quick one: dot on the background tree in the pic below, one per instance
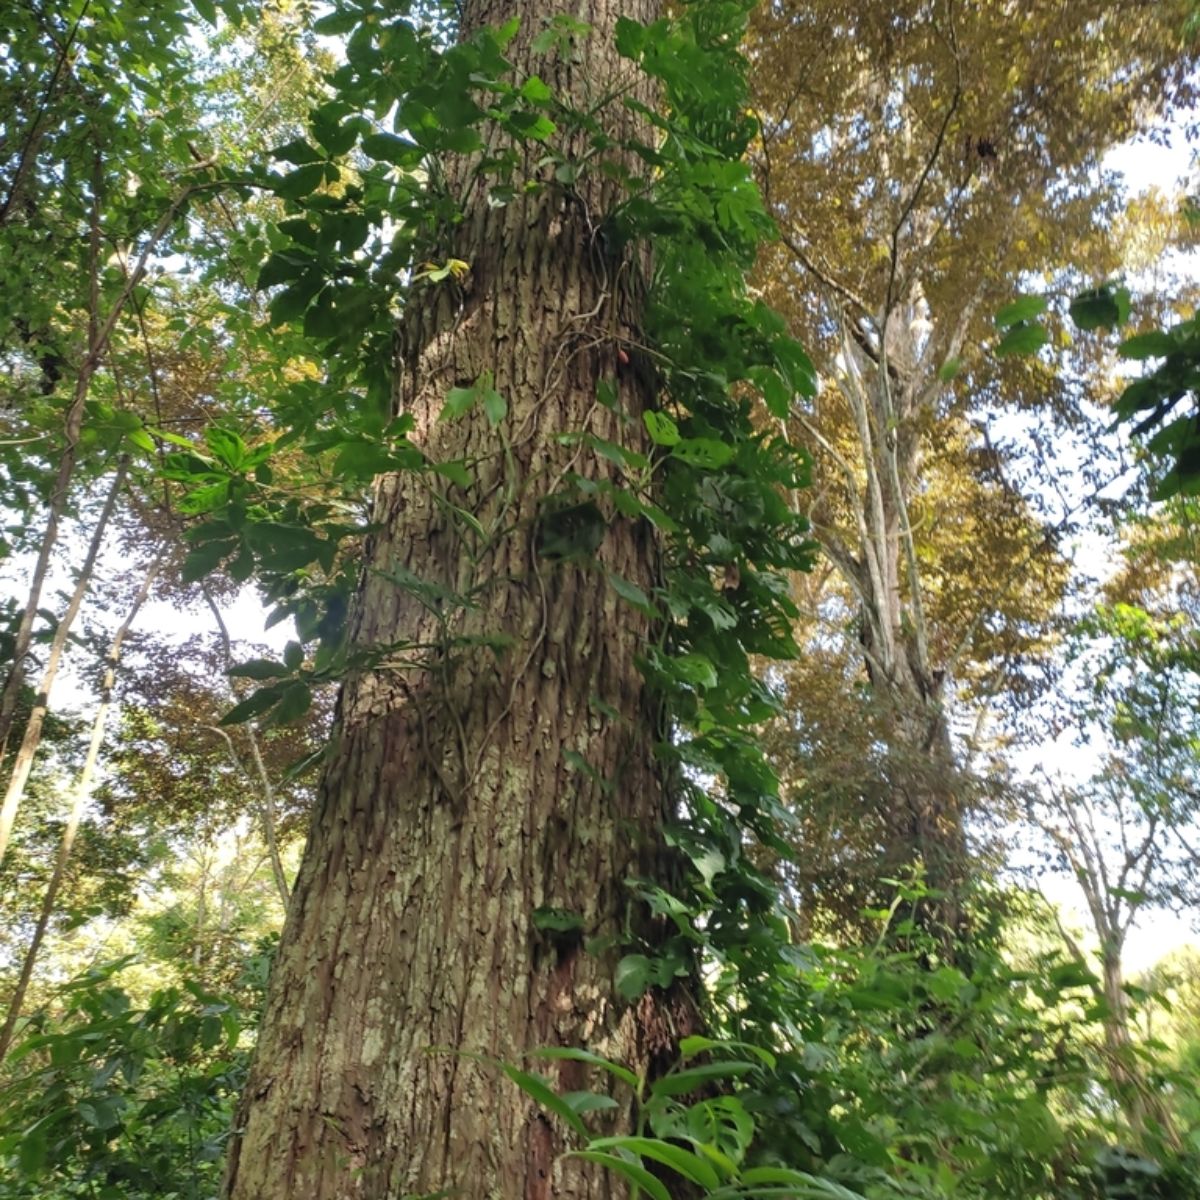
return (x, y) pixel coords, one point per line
(112, 115)
(1128, 836)
(921, 160)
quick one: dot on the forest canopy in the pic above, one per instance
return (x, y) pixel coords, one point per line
(599, 604)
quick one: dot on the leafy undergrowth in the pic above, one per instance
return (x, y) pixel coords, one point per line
(887, 1078)
(112, 1100)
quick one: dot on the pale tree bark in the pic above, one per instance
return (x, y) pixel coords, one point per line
(31, 739)
(83, 791)
(453, 805)
(925, 821)
(885, 366)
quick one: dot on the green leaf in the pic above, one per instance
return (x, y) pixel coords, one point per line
(387, 147)
(454, 470)
(31, 1151)
(1022, 310)
(1072, 975)
(292, 301)
(947, 983)
(341, 20)
(293, 656)
(1100, 308)
(633, 594)
(204, 499)
(636, 1174)
(582, 1102)
(459, 402)
(630, 37)
(101, 1112)
(949, 369)
(561, 29)
(541, 1091)
(703, 452)
(335, 136)
(258, 702)
(203, 560)
(465, 140)
(295, 701)
(1141, 346)
(606, 394)
(504, 34)
(1022, 339)
(322, 320)
(574, 1054)
(532, 125)
(694, 1079)
(662, 429)
(226, 446)
(556, 920)
(495, 406)
(807, 1185)
(535, 90)
(301, 182)
(634, 975)
(298, 152)
(682, 1162)
(259, 669)
(689, 1047)
(694, 669)
(775, 392)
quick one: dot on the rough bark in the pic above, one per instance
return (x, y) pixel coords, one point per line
(471, 784)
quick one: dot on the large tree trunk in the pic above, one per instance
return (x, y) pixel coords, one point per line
(471, 785)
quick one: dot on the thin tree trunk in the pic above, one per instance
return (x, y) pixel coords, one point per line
(201, 911)
(72, 428)
(466, 792)
(83, 788)
(100, 329)
(32, 737)
(266, 807)
(1144, 1108)
(924, 822)
(266, 792)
